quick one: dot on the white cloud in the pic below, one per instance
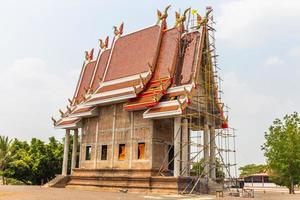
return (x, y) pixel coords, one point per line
(273, 61)
(251, 22)
(294, 52)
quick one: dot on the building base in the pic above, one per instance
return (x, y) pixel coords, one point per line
(146, 181)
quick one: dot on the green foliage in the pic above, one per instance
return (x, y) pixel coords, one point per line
(252, 169)
(197, 169)
(4, 155)
(282, 150)
(34, 163)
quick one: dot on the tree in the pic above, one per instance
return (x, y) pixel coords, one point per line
(4, 155)
(35, 163)
(282, 150)
(252, 169)
(198, 168)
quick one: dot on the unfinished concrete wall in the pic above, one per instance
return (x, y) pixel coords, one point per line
(113, 127)
(163, 131)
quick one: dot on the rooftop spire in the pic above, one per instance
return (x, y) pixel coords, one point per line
(180, 19)
(118, 31)
(162, 16)
(104, 45)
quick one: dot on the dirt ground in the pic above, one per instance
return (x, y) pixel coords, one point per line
(38, 193)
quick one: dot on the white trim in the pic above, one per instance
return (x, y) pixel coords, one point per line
(125, 79)
(90, 113)
(147, 115)
(80, 78)
(181, 88)
(117, 99)
(76, 124)
(112, 92)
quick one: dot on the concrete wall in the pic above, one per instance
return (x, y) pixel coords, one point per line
(163, 132)
(127, 128)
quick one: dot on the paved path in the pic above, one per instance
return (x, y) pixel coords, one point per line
(42, 193)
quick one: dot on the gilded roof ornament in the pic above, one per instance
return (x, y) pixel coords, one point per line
(161, 16)
(104, 44)
(118, 31)
(89, 55)
(180, 19)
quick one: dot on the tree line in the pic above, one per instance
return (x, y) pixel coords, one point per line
(34, 162)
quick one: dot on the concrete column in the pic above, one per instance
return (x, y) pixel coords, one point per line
(185, 147)
(177, 138)
(212, 153)
(206, 149)
(80, 147)
(131, 139)
(66, 152)
(74, 150)
(113, 136)
(96, 145)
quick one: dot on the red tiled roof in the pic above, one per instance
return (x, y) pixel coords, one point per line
(168, 53)
(99, 71)
(160, 81)
(85, 80)
(132, 53)
(189, 57)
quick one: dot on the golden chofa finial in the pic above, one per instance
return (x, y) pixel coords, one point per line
(54, 120)
(181, 19)
(118, 31)
(161, 16)
(104, 45)
(89, 55)
(203, 21)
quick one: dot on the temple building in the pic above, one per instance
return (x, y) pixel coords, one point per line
(136, 104)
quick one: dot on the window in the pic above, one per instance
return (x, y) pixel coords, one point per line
(104, 152)
(122, 152)
(141, 151)
(88, 151)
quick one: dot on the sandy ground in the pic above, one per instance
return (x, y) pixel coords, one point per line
(38, 193)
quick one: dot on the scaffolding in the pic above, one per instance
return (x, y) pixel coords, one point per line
(207, 114)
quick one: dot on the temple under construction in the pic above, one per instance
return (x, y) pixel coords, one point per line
(149, 111)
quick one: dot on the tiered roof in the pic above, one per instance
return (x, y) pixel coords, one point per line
(154, 69)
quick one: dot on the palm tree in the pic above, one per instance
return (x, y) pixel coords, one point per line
(4, 154)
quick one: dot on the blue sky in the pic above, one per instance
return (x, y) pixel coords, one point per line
(42, 46)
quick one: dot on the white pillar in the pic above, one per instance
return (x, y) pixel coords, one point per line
(212, 153)
(66, 152)
(206, 149)
(74, 150)
(177, 138)
(185, 147)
